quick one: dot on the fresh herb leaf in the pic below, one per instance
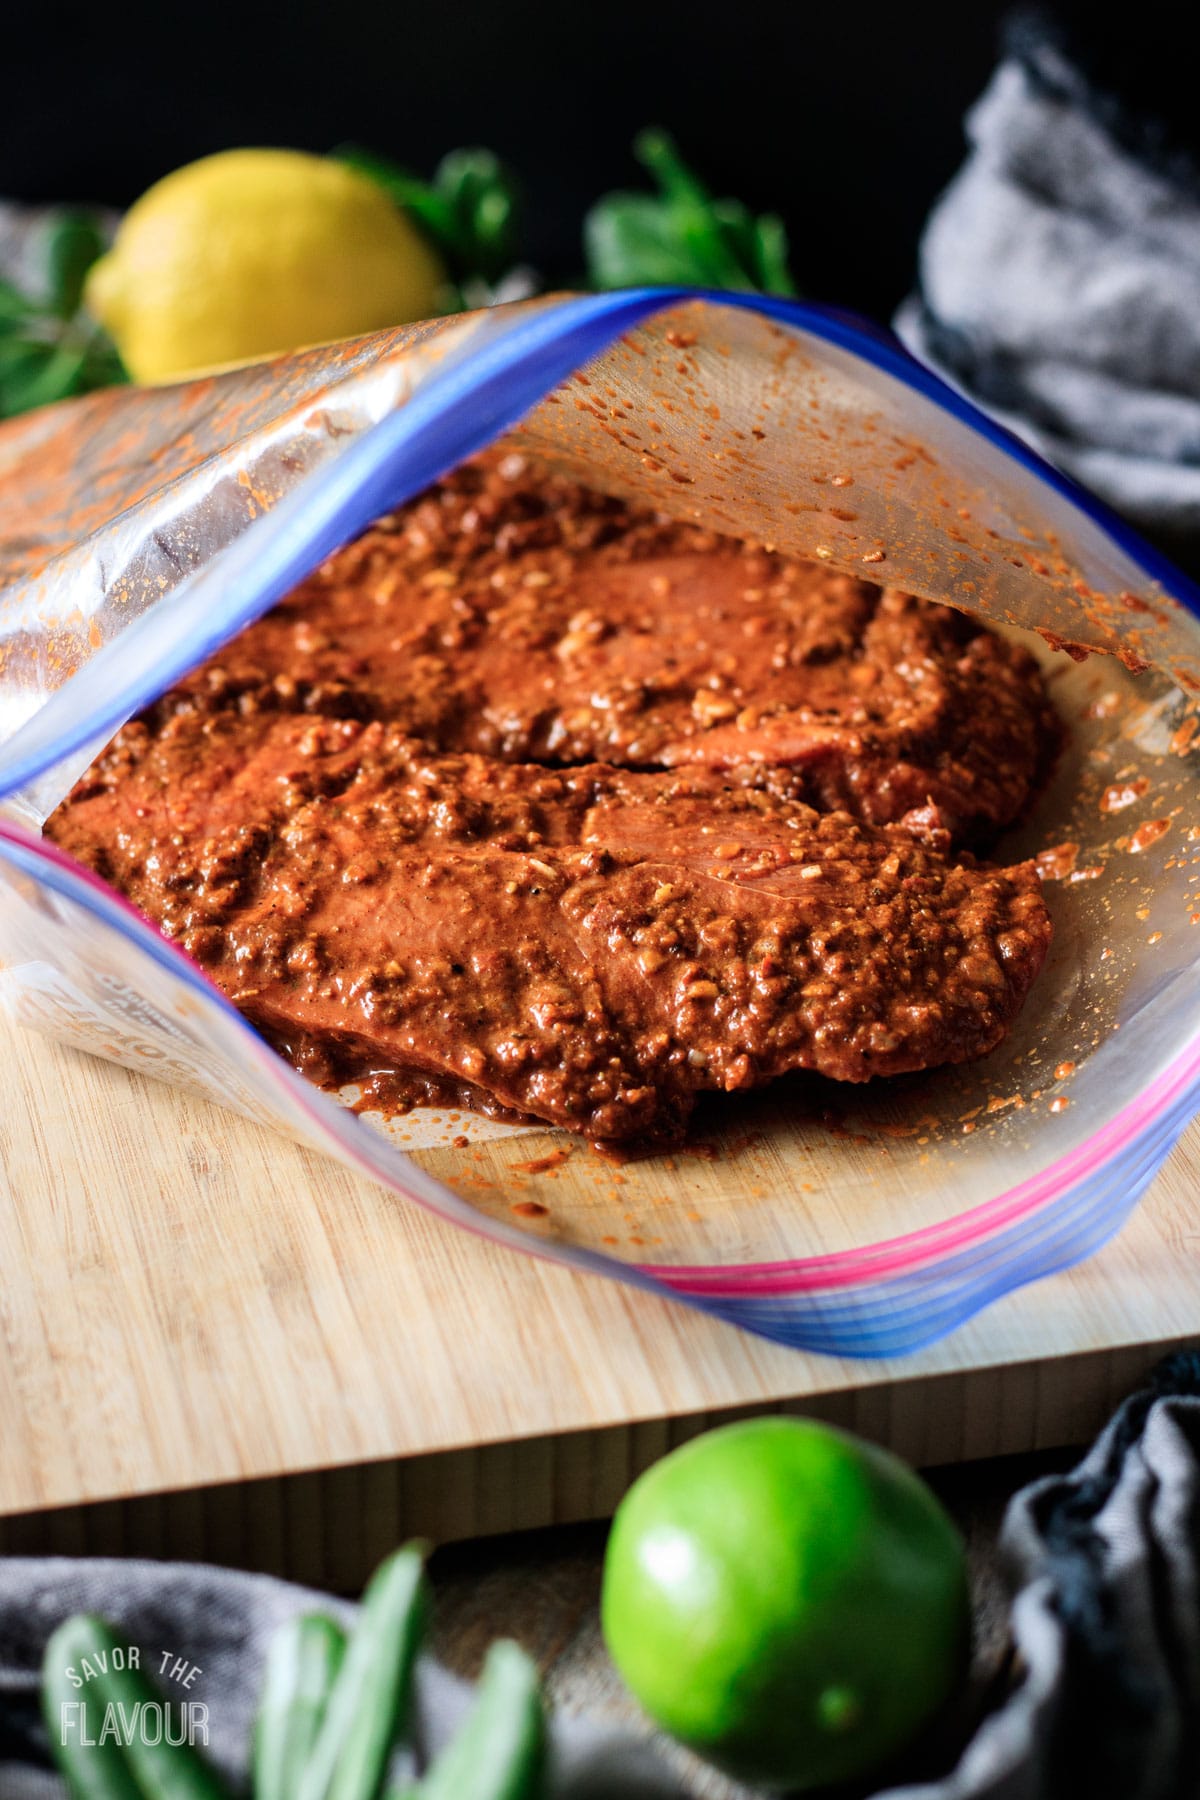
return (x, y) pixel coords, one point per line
(102, 365)
(49, 348)
(52, 376)
(73, 242)
(17, 354)
(21, 363)
(630, 241)
(484, 202)
(13, 306)
(773, 272)
(427, 208)
(469, 211)
(36, 370)
(682, 234)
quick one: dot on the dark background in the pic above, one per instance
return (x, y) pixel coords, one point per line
(846, 118)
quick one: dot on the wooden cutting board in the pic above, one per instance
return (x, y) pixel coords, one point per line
(216, 1344)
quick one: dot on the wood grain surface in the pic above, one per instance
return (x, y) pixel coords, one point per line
(215, 1343)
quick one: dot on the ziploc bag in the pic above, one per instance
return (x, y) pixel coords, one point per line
(140, 530)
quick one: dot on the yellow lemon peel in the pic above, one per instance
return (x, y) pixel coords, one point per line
(251, 253)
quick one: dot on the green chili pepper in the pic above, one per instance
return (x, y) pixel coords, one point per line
(368, 1705)
(123, 1754)
(302, 1666)
(500, 1751)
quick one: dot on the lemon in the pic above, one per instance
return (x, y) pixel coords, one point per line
(788, 1600)
(250, 253)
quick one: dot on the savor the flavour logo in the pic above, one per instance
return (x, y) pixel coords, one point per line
(172, 1717)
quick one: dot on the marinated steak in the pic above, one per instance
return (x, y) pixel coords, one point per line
(542, 803)
(528, 619)
(589, 946)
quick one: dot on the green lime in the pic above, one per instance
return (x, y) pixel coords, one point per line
(787, 1600)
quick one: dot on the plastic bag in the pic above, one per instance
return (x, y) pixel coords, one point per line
(139, 531)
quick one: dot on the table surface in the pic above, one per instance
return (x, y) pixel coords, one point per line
(196, 1307)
